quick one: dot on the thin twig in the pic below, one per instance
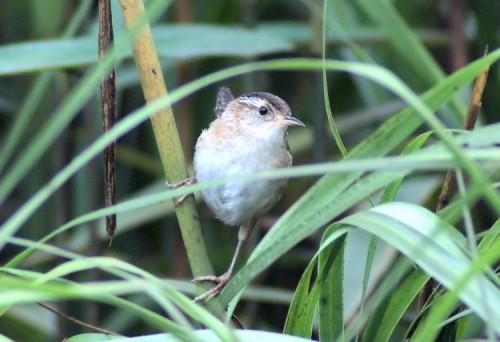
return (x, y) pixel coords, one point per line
(77, 321)
(108, 104)
(449, 185)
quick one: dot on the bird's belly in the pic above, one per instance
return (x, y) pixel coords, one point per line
(237, 202)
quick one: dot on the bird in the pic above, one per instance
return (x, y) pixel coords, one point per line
(248, 135)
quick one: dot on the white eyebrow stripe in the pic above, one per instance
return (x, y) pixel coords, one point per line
(255, 101)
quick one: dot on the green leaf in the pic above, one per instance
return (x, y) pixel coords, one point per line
(423, 237)
(300, 318)
(418, 57)
(201, 335)
(407, 45)
(195, 41)
(444, 305)
(299, 33)
(491, 235)
(388, 314)
(390, 192)
(331, 195)
(93, 337)
(331, 301)
(173, 41)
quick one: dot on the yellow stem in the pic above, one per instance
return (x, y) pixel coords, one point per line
(166, 134)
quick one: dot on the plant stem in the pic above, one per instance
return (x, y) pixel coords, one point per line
(166, 134)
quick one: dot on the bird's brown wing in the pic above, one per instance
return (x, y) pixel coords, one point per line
(224, 96)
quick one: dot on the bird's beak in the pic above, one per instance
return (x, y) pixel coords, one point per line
(292, 121)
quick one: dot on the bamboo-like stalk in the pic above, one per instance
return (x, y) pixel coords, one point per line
(166, 134)
(449, 184)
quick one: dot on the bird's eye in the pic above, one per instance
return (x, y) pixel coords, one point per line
(263, 110)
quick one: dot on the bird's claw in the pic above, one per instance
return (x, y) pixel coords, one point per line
(187, 181)
(221, 282)
(180, 200)
(184, 182)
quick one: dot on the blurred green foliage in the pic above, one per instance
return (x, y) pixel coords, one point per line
(47, 47)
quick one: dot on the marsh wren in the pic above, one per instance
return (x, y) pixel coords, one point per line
(248, 136)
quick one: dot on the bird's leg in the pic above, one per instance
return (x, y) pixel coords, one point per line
(184, 182)
(222, 280)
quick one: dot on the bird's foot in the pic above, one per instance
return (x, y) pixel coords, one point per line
(220, 282)
(184, 182)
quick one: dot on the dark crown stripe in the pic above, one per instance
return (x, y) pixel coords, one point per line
(272, 99)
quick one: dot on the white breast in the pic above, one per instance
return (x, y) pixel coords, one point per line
(236, 202)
